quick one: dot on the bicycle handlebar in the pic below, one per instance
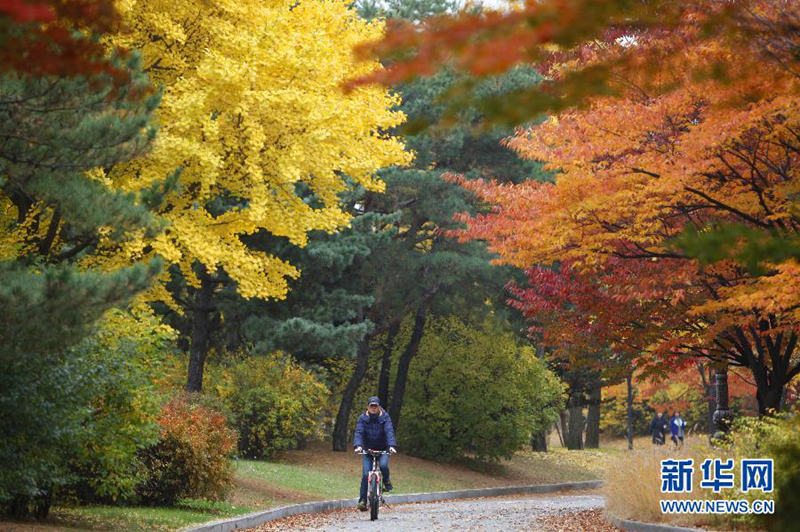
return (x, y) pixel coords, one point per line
(373, 451)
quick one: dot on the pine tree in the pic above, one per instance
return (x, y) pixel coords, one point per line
(421, 271)
(325, 314)
(53, 211)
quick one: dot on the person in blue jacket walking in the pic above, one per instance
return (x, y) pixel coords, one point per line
(677, 427)
(374, 430)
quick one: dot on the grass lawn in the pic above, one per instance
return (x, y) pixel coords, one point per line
(134, 518)
(317, 473)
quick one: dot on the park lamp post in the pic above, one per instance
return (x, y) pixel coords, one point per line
(722, 414)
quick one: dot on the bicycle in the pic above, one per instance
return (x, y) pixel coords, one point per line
(374, 484)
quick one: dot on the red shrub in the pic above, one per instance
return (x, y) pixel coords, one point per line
(192, 456)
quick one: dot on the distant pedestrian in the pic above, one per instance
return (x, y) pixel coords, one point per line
(677, 427)
(658, 428)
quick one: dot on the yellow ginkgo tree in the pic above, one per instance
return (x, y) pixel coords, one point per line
(254, 119)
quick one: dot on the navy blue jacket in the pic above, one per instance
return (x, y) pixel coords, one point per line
(375, 434)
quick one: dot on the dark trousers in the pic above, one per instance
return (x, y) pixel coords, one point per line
(366, 467)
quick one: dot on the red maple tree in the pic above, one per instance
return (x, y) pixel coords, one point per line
(57, 37)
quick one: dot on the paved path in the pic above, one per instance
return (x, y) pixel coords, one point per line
(502, 513)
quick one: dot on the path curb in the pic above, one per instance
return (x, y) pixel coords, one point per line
(638, 526)
(258, 518)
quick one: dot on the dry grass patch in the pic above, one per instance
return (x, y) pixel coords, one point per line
(633, 487)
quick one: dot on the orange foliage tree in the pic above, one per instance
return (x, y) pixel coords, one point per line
(672, 132)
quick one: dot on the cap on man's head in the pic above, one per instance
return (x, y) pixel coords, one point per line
(374, 401)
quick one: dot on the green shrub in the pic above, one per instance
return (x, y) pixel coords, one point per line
(75, 424)
(275, 404)
(121, 359)
(191, 457)
(772, 437)
(42, 406)
(784, 447)
(475, 391)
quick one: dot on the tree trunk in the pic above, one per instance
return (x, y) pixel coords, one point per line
(340, 427)
(405, 360)
(539, 438)
(593, 417)
(563, 416)
(539, 441)
(386, 364)
(708, 389)
(769, 380)
(629, 421)
(576, 422)
(769, 398)
(201, 330)
(770, 360)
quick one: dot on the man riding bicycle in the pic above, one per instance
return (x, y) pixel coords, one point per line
(374, 431)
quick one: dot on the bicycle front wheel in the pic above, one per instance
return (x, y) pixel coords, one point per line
(374, 499)
(373, 508)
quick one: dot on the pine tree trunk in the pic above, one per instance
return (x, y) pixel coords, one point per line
(386, 364)
(593, 417)
(201, 330)
(629, 421)
(340, 427)
(405, 361)
(576, 422)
